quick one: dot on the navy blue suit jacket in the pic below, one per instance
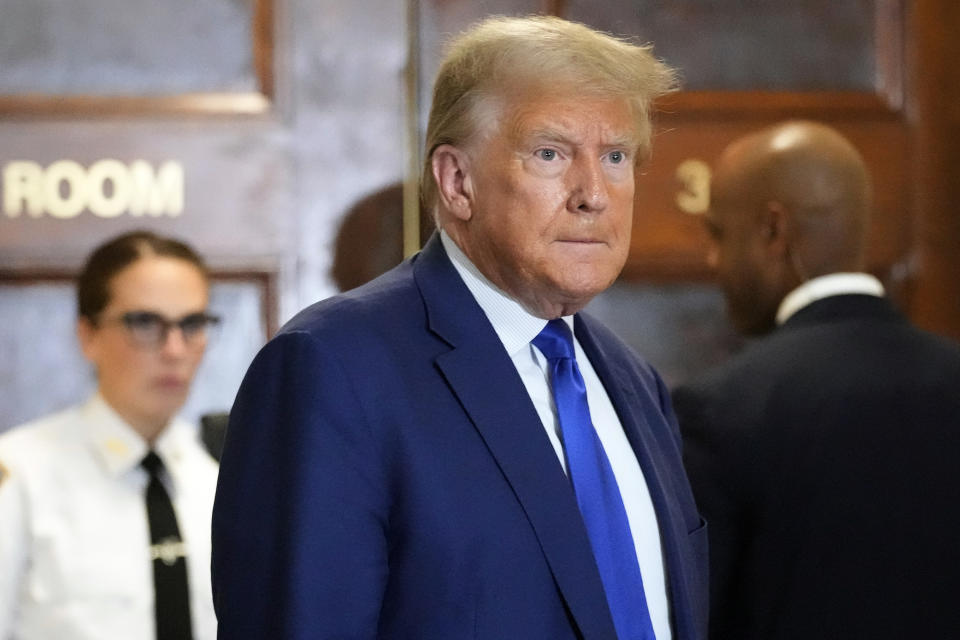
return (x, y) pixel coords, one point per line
(385, 475)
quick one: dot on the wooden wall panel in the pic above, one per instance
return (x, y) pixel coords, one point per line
(775, 45)
(122, 57)
(934, 90)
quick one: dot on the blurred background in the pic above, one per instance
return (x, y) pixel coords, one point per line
(281, 138)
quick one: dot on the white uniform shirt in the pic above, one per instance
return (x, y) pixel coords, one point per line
(516, 328)
(74, 537)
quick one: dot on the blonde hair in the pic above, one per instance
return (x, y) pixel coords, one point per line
(499, 54)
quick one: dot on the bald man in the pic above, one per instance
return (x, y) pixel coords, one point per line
(824, 456)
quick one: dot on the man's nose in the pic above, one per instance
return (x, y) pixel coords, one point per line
(590, 192)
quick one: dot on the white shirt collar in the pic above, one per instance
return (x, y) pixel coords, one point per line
(119, 446)
(515, 326)
(833, 284)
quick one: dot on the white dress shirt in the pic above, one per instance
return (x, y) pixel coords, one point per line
(833, 284)
(74, 536)
(516, 328)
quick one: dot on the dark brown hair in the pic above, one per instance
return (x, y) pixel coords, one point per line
(107, 260)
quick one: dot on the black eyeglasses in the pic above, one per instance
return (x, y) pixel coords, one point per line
(149, 329)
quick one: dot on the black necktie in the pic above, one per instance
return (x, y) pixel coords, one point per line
(167, 550)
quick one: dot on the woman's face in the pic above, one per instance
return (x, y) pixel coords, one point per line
(147, 383)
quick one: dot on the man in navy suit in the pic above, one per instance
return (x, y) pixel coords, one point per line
(393, 465)
(824, 456)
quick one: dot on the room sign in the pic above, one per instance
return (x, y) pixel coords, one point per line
(106, 188)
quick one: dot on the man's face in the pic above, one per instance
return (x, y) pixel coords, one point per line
(737, 255)
(147, 385)
(552, 200)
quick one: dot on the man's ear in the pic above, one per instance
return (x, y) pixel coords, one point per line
(775, 228)
(451, 172)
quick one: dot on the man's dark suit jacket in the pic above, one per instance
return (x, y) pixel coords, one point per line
(826, 460)
(385, 475)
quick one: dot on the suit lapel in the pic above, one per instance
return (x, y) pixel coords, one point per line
(638, 409)
(485, 381)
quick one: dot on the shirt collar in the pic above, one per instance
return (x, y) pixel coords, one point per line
(118, 445)
(833, 284)
(515, 326)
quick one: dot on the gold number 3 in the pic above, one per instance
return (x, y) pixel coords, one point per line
(694, 194)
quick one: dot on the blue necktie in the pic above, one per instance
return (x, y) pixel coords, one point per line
(595, 486)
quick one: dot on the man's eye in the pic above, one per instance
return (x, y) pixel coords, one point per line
(616, 157)
(546, 154)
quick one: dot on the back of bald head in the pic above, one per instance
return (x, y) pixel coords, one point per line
(820, 178)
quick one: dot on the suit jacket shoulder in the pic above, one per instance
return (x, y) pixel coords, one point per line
(822, 456)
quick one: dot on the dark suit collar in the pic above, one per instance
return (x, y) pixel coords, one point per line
(485, 380)
(844, 307)
(452, 313)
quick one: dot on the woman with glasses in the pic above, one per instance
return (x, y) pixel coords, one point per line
(105, 507)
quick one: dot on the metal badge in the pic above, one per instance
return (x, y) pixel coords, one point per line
(169, 551)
